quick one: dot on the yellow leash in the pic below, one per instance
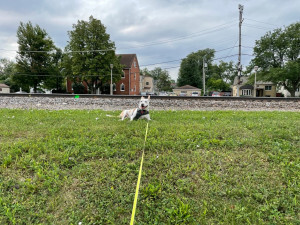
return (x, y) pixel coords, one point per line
(138, 182)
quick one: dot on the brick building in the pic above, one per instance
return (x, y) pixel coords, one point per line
(130, 80)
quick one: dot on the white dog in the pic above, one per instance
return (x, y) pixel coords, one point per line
(142, 112)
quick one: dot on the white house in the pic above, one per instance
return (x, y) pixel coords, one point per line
(4, 88)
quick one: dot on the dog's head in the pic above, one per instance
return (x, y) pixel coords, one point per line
(144, 103)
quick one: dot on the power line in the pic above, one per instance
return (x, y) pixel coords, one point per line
(197, 34)
(262, 22)
(175, 60)
(257, 27)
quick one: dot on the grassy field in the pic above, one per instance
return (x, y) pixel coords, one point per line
(81, 167)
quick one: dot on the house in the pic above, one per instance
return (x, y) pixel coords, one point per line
(263, 88)
(130, 79)
(146, 84)
(4, 88)
(186, 90)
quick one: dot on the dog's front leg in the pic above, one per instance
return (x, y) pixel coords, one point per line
(133, 115)
(148, 117)
(123, 114)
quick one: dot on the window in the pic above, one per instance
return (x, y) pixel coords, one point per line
(123, 74)
(268, 88)
(0, 89)
(247, 92)
(114, 87)
(135, 76)
(134, 88)
(122, 87)
(134, 64)
(147, 83)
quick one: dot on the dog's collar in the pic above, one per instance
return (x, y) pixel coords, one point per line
(141, 112)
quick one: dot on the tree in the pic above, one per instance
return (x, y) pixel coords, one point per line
(226, 71)
(291, 73)
(217, 85)
(7, 70)
(162, 79)
(35, 56)
(191, 72)
(55, 68)
(91, 53)
(277, 54)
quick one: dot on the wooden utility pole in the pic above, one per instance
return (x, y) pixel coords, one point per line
(241, 8)
(203, 72)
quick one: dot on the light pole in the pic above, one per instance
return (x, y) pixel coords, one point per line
(255, 69)
(111, 85)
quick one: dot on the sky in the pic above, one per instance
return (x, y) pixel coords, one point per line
(160, 32)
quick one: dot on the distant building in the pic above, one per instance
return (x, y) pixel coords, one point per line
(130, 79)
(146, 84)
(263, 88)
(186, 90)
(4, 88)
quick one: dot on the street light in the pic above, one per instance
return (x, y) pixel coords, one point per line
(255, 69)
(111, 85)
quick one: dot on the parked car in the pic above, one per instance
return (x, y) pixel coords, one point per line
(172, 94)
(226, 93)
(182, 94)
(163, 93)
(215, 94)
(195, 94)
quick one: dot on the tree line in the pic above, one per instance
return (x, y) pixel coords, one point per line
(89, 53)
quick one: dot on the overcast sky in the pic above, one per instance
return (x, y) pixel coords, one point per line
(160, 32)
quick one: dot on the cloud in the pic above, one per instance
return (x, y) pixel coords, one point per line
(157, 30)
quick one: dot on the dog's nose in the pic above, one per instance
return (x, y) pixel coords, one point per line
(142, 105)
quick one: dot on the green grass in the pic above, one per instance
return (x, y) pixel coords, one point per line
(66, 167)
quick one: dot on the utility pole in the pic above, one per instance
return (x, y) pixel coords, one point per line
(203, 78)
(241, 8)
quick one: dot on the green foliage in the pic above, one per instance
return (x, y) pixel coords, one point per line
(190, 72)
(226, 71)
(92, 52)
(78, 88)
(217, 85)
(36, 61)
(277, 54)
(200, 167)
(7, 69)
(161, 78)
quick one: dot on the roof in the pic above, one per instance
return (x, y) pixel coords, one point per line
(127, 59)
(247, 86)
(187, 87)
(3, 86)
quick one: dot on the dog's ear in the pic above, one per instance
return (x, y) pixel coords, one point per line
(142, 97)
(148, 97)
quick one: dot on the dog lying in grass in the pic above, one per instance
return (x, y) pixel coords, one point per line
(142, 112)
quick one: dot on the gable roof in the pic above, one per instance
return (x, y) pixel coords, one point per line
(3, 86)
(187, 87)
(127, 59)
